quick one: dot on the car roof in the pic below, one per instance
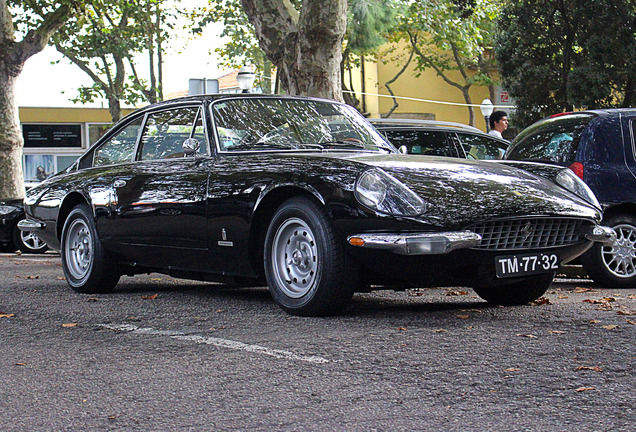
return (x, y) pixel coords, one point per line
(417, 123)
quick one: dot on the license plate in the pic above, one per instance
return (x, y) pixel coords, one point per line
(525, 264)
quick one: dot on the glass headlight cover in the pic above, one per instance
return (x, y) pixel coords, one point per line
(384, 193)
(4, 209)
(568, 180)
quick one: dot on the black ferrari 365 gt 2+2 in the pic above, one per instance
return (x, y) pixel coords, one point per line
(306, 195)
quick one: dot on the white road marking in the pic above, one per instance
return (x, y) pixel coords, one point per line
(223, 343)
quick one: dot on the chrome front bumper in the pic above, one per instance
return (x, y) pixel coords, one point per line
(417, 243)
(444, 242)
(30, 225)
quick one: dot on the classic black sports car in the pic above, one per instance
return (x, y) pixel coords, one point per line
(307, 195)
(11, 238)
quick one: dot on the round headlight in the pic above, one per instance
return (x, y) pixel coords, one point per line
(384, 193)
(568, 180)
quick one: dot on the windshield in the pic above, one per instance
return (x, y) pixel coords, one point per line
(552, 140)
(248, 124)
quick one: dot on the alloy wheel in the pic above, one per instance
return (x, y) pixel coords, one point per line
(620, 257)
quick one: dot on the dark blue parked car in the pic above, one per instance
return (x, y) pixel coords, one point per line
(599, 147)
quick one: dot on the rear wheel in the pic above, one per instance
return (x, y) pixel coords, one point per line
(88, 267)
(307, 270)
(28, 242)
(614, 265)
(517, 293)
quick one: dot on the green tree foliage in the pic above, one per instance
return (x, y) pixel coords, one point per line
(104, 44)
(454, 38)
(556, 55)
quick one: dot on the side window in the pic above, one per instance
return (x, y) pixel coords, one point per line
(165, 132)
(119, 148)
(481, 147)
(433, 143)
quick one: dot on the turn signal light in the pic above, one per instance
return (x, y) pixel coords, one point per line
(356, 241)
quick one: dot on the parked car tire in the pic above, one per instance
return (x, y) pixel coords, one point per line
(88, 267)
(307, 270)
(28, 242)
(615, 265)
(517, 293)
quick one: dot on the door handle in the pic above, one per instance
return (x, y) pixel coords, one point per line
(119, 183)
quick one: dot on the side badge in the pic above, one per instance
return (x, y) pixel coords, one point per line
(224, 242)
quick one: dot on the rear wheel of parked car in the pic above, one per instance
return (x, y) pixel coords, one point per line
(28, 242)
(88, 267)
(517, 293)
(614, 265)
(307, 270)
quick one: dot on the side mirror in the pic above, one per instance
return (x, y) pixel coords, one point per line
(403, 149)
(190, 147)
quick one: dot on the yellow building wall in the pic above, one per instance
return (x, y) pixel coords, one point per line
(428, 86)
(66, 115)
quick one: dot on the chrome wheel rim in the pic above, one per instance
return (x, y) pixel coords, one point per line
(295, 258)
(78, 249)
(620, 257)
(31, 241)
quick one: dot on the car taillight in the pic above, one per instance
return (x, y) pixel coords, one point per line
(578, 169)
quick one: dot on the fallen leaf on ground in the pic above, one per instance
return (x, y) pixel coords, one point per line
(67, 325)
(610, 327)
(582, 389)
(631, 296)
(631, 322)
(439, 331)
(91, 299)
(541, 301)
(156, 279)
(456, 293)
(531, 336)
(581, 290)
(20, 364)
(556, 331)
(61, 278)
(512, 369)
(463, 316)
(592, 368)
(625, 312)
(594, 321)
(149, 297)
(401, 328)
(563, 297)
(5, 315)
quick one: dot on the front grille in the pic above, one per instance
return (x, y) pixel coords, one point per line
(528, 233)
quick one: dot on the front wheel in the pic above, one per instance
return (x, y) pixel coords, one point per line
(614, 265)
(517, 293)
(87, 266)
(307, 270)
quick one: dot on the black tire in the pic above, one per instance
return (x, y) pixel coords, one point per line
(88, 267)
(28, 242)
(614, 266)
(307, 269)
(517, 293)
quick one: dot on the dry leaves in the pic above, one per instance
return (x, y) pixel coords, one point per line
(6, 315)
(456, 293)
(513, 369)
(582, 389)
(610, 327)
(541, 301)
(69, 325)
(556, 332)
(591, 368)
(401, 328)
(531, 336)
(149, 297)
(462, 316)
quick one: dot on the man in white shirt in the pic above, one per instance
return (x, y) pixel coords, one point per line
(498, 123)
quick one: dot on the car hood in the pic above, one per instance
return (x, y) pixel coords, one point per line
(459, 192)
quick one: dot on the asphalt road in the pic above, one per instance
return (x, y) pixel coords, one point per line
(161, 354)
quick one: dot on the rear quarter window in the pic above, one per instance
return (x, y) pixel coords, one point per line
(422, 142)
(553, 140)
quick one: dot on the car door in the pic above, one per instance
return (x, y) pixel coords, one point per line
(159, 205)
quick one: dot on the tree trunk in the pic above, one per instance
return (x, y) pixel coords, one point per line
(305, 46)
(11, 175)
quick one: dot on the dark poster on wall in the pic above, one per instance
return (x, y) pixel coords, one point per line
(52, 135)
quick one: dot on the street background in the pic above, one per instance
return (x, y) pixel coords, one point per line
(163, 354)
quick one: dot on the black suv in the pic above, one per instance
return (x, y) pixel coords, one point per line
(439, 138)
(599, 147)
